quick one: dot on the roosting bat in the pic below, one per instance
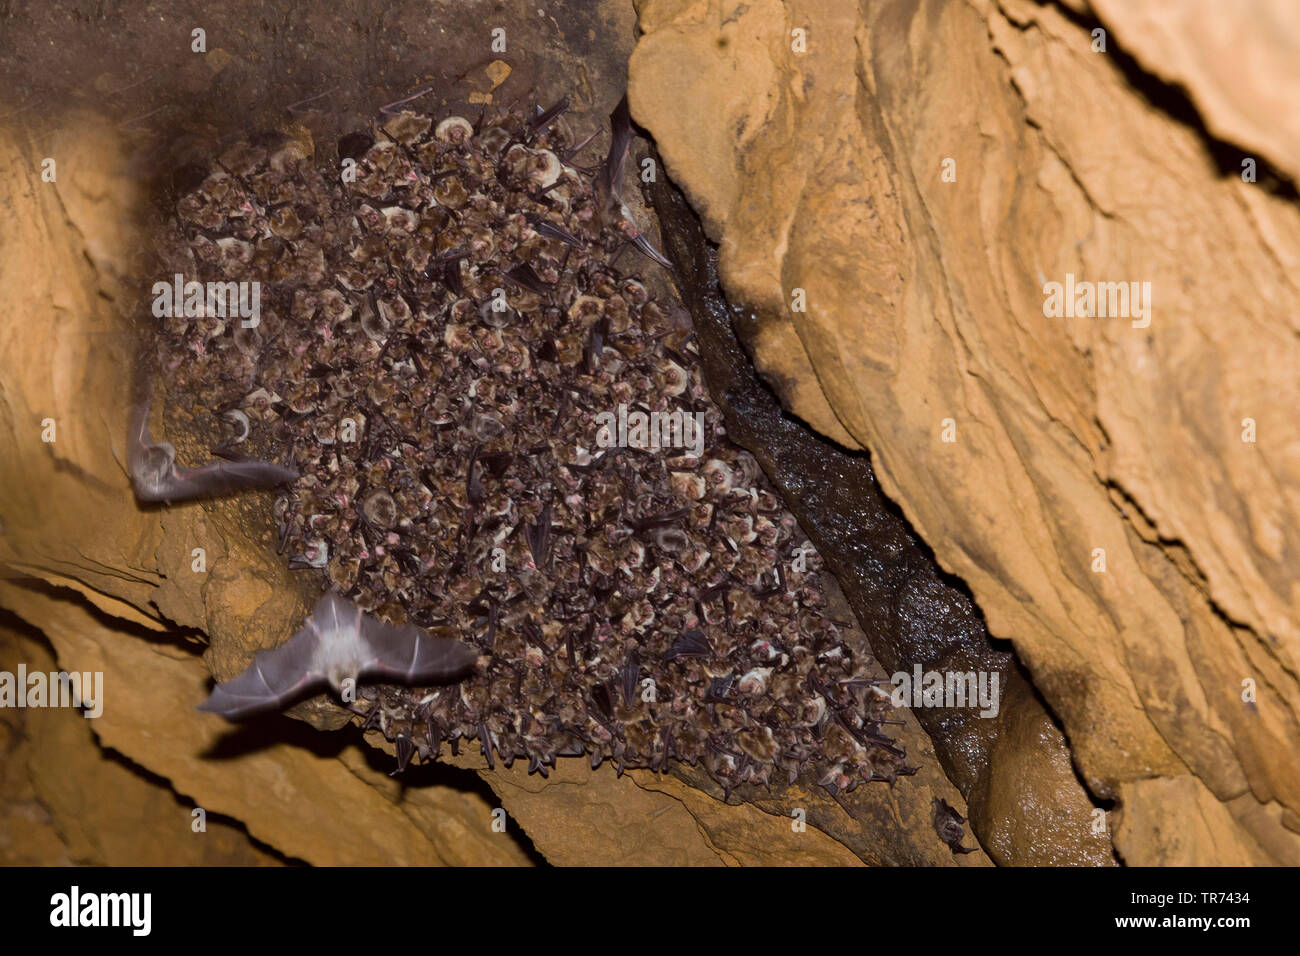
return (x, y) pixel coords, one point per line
(156, 476)
(609, 182)
(338, 643)
(948, 824)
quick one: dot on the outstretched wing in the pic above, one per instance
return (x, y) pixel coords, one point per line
(273, 679)
(137, 432)
(156, 478)
(409, 655)
(223, 478)
(338, 621)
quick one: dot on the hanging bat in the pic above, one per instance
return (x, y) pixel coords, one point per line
(340, 643)
(609, 183)
(550, 230)
(543, 119)
(948, 824)
(156, 476)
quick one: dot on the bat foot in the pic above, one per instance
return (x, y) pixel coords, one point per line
(405, 750)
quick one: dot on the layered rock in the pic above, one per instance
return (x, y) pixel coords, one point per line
(1119, 493)
(119, 589)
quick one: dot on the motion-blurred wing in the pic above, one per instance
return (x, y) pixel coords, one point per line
(338, 621)
(410, 655)
(273, 679)
(137, 432)
(223, 478)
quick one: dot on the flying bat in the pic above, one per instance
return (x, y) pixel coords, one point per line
(341, 643)
(609, 183)
(156, 476)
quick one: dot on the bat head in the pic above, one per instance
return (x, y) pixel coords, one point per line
(154, 460)
(151, 469)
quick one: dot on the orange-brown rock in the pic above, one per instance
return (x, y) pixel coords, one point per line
(108, 583)
(1119, 493)
(104, 580)
(64, 799)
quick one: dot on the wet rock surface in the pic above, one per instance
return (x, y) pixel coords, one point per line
(910, 612)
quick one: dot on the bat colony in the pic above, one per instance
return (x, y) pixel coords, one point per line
(339, 642)
(447, 343)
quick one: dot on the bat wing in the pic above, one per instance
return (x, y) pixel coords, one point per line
(411, 655)
(550, 230)
(150, 465)
(337, 619)
(609, 182)
(155, 476)
(642, 243)
(543, 120)
(273, 679)
(137, 433)
(620, 138)
(224, 477)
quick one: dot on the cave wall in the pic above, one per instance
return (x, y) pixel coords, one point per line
(113, 586)
(822, 170)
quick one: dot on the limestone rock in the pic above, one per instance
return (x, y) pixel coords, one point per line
(67, 800)
(116, 588)
(1237, 65)
(98, 575)
(921, 173)
(308, 803)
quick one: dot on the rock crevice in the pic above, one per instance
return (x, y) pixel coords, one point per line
(1116, 491)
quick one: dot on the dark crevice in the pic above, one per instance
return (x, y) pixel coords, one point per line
(184, 639)
(16, 625)
(1176, 102)
(274, 728)
(911, 609)
(262, 733)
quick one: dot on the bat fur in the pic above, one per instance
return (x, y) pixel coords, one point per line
(609, 182)
(155, 476)
(341, 643)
